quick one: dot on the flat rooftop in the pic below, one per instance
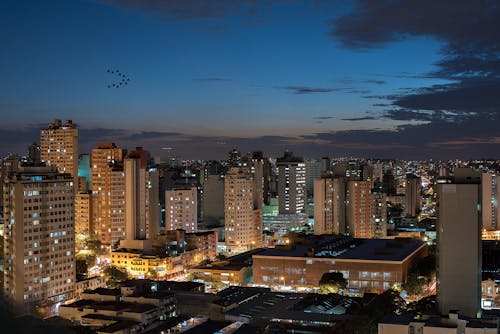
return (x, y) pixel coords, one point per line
(396, 249)
(297, 306)
(236, 262)
(111, 306)
(238, 295)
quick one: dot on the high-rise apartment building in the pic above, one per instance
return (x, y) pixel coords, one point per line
(181, 209)
(329, 205)
(39, 244)
(34, 158)
(59, 147)
(242, 219)
(83, 212)
(359, 206)
(412, 195)
(135, 198)
(379, 214)
(255, 164)
(490, 197)
(314, 168)
(292, 193)
(213, 201)
(108, 193)
(459, 242)
(153, 202)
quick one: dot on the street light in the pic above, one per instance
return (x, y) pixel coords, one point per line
(282, 278)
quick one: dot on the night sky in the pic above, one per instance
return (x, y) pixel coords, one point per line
(411, 79)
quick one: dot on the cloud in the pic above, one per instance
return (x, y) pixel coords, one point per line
(470, 58)
(364, 118)
(324, 117)
(376, 82)
(145, 135)
(211, 79)
(308, 90)
(436, 139)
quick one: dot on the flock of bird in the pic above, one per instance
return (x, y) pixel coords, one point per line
(124, 80)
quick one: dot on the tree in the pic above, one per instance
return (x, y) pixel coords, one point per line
(414, 284)
(332, 282)
(115, 275)
(152, 274)
(96, 246)
(421, 273)
(221, 256)
(81, 266)
(366, 319)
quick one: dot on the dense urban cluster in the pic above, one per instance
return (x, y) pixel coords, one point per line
(117, 241)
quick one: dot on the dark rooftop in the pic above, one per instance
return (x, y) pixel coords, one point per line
(236, 262)
(119, 325)
(111, 305)
(351, 249)
(104, 291)
(297, 306)
(209, 326)
(238, 295)
(167, 324)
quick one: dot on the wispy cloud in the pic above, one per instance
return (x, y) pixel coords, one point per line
(364, 118)
(307, 90)
(324, 117)
(212, 79)
(376, 82)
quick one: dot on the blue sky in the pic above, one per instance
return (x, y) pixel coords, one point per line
(318, 78)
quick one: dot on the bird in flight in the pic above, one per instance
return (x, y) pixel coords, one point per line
(121, 80)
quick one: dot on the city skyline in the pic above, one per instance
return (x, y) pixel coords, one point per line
(406, 79)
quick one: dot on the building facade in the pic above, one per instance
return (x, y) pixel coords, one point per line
(39, 244)
(368, 265)
(292, 191)
(59, 146)
(243, 222)
(358, 206)
(329, 205)
(181, 209)
(459, 242)
(108, 193)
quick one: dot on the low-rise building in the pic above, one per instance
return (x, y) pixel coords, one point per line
(368, 265)
(131, 308)
(235, 270)
(89, 284)
(141, 264)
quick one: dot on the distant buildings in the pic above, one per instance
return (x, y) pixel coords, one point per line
(346, 202)
(39, 239)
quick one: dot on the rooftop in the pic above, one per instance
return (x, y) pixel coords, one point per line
(346, 248)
